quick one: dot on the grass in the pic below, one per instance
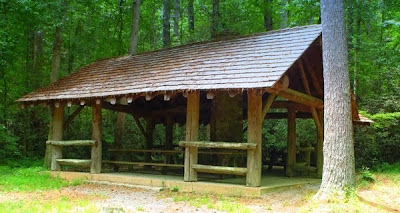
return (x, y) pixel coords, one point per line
(36, 206)
(210, 201)
(28, 183)
(28, 179)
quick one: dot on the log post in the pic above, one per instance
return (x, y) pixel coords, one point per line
(192, 134)
(96, 135)
(56, 133)
(149, 137)
(254, 120)
(291, 150)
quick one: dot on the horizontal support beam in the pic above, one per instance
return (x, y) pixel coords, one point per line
(171, 152)
(74, 162)
(301, 98)
(219, 169)
(217, 145)
(299, 168)
(142, 163)
(283, 115)
(290, 104)
(72, 143)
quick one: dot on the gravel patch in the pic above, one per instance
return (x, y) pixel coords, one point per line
(117, 199)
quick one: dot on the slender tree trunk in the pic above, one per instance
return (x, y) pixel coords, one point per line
(121, 26)
(135, 27)
(339, 165)
(177, 13)
(215, 19)
(154, 28)
(357, 48)
(166, 24)
(190, 10)
(268, 15)
(284, 14)
(55, 69)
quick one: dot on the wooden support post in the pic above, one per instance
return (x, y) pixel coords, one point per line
(254, 120)
(319, 146)
(56, 133)
(291, 150)
(96, 135)
(318, 120)
(169, 127)
(149, 137)
(192, 134)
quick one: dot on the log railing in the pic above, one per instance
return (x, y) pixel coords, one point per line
(216, 145)
(57, 160)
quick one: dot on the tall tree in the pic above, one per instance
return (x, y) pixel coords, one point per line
(339, 165)
(177, 14)
(215, 19)
(268, 15)
(135, 27)
(190, 11)
(55, 68)
(166, 24)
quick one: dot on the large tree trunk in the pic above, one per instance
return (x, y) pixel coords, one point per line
(135, 27)
(268, 15)
(338, 149)
(215, 19)
(166, 24)
(177, 13)
(55, 70)
(191, 17)
(226, 122)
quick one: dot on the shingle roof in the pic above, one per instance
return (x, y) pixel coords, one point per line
(256, 61)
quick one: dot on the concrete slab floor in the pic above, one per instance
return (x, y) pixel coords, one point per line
(234, 186)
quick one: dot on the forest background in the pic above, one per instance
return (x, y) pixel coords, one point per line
(86, 31)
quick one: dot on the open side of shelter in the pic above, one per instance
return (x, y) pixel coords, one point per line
(268, 71)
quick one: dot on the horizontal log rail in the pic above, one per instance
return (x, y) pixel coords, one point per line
(72, 143)
(74, 162)
(171, 152)
(142, 163)
(217, 145)
(219, 169)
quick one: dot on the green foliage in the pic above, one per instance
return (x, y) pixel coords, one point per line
(378, 143)
(8, 144)
(94, 31)
(366, 175)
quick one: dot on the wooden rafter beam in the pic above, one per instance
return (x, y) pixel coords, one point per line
(284, 115)
(301, 98)
(70, 118)
(314, 79)
(139, 124)
(290, 104)
(308, 91)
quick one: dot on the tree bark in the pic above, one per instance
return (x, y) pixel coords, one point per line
(268, 15)
(191, 17)
(135, 27)
(339, 165)
(166, 24)
(55, 69)
(177, 13)
(284, 14)
(215, 19)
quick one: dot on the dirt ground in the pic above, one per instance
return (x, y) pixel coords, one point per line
(116, 199)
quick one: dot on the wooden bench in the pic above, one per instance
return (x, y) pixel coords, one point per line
(215, 145)
(70, 162)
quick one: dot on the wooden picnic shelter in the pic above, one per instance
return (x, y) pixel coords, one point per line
(252, 75)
